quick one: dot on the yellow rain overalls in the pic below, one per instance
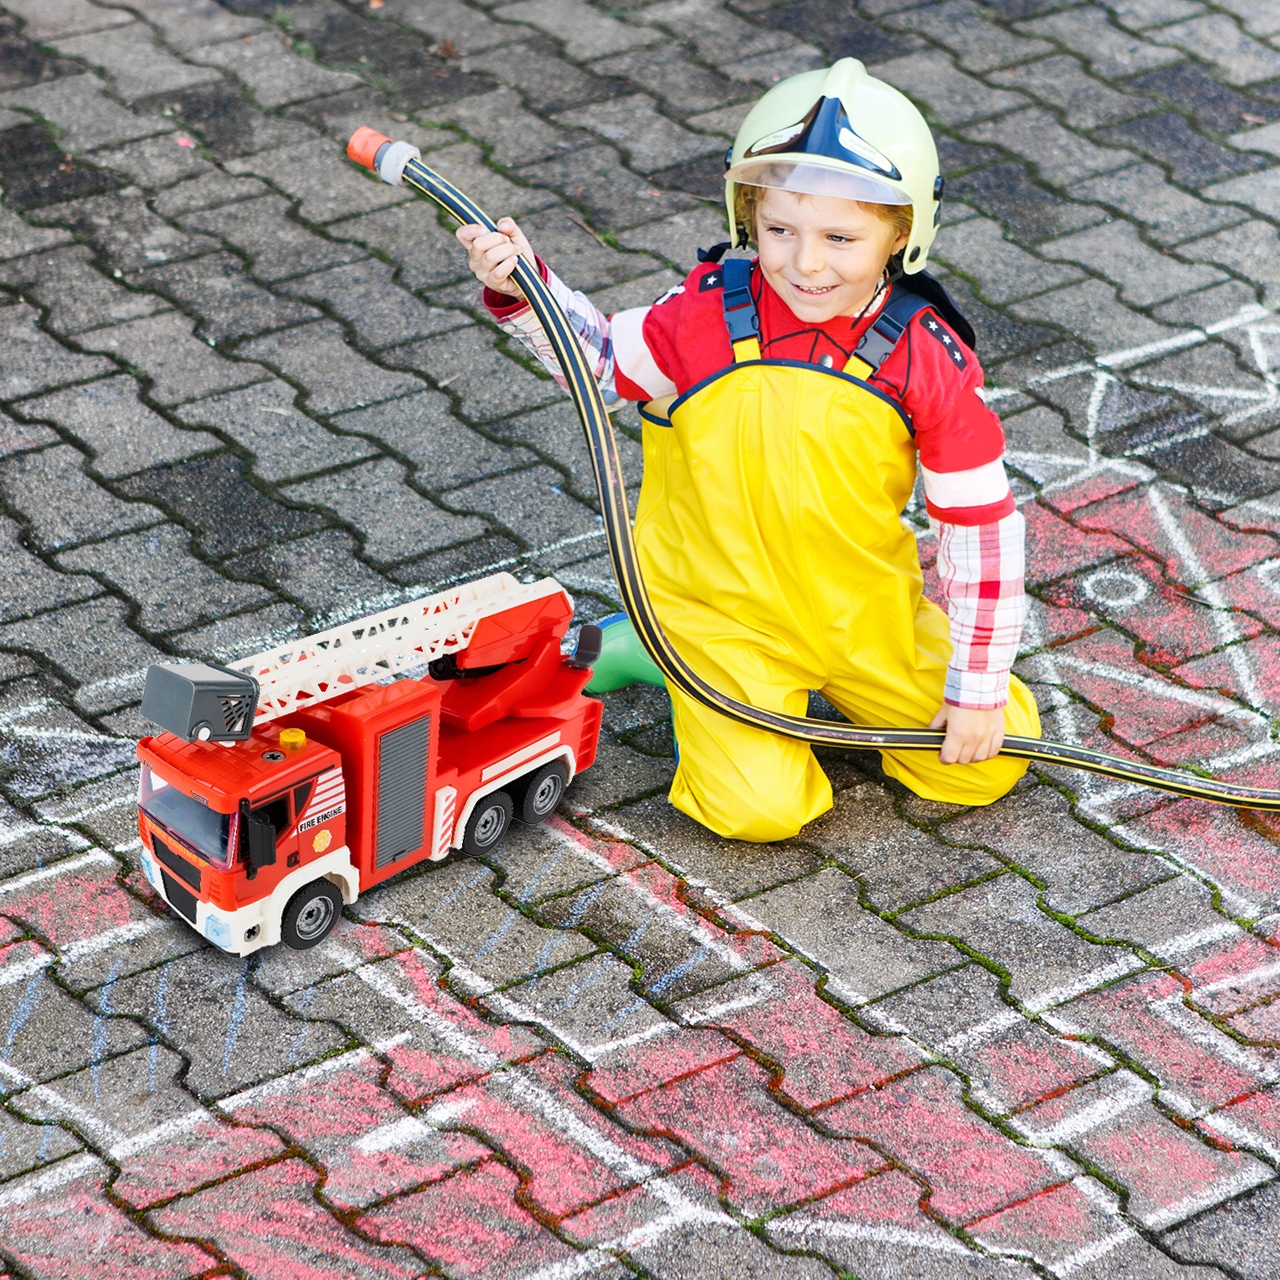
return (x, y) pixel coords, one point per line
(770, 539)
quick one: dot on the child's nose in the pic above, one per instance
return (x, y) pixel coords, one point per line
(809, 257)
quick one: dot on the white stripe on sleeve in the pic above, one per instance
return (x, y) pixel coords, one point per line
(977, 487)
(633, 358)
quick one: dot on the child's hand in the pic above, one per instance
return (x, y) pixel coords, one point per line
(971, 735)
(492, 255)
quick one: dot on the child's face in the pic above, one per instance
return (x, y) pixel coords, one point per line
(824, 256)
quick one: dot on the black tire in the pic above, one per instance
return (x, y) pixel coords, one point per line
(488, 824)
(310, 916)
(542, 792)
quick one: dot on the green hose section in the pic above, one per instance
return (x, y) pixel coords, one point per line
(602, 447)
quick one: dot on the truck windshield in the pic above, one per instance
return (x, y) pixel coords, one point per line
(207, 832)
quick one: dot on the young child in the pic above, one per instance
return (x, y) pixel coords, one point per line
(785, 402)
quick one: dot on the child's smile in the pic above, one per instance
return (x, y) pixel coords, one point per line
(823, 256)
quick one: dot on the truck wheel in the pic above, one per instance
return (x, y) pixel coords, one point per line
(542, 792)
(310, 916)
(488, 823)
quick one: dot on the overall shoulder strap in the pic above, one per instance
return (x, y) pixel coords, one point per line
(740, 315)
(882, 337)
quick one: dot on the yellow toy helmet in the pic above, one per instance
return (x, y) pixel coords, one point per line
(841, 132)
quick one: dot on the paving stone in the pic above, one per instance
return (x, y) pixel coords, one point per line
(227, 303)
(717, 35)
(421, 429)
(1217, 108)
(585, 32)
(878, 1227)
(34, 361)
(898, 863)
(512, 135)
(668, 72)
(1055, 547)
(545, 80)
(922, 1122)
(204, 1005)
(1005, 192)
(469, 30)
(228, 513)
(212, 189)
(1080, 868)
(284, 442)
(1168, 1174)
(650, 141)
(1145, 275)
(63, 1213)
(77, 296)
(136, 66)
(366, 495)
(556, 433)
(1063, 1223)
(158, 162)
(278, 246)
(283, 971)
(274, 74)
(410, 236)
(1217, 845)
(1240, 1234)
(91, 644)
(821, 1054)
(132, 1111)
(155, 567)
(440, 1222)
(369, 1144)
(164, 349)
(381, 313)
(1003, 271)
(333, 375)
(17, 238)
(24, 844)
(314, 174)
(122, 435)
(29, 586)
(453, 909)
(1197, 1067)
(1141, 192)
(1250, 249)
(431, 1039)
(765, 1153)
(224, 117)
(49, 19)
(1058, 154)
(1060, 81)
(531, 504)
(537, 863)
(729, 867)
(1215, 38)
(28, 1146)
(614, 197)
(1109, 50)
(1092, 311)
(864, 956)
(50, 1032)
(106, 809)
(85, 117)
(961, 26)
(1252, 1123)
(951, 96)
(240, 635)
(1001, 921)
(643, 914)
(242, 1219)
(1190, 158)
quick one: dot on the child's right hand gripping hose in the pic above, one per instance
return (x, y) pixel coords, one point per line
(400, 163)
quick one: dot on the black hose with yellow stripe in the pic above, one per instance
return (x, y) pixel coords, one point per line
(607, 465)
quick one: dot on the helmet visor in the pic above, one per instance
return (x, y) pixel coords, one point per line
(825, 131)
(815, 180)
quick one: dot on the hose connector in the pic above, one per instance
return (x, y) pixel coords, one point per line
(376, 151)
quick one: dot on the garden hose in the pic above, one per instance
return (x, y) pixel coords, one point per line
(398, 162)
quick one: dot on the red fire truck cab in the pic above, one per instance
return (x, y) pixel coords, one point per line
(291, 782)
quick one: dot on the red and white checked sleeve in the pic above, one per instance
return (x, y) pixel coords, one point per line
(982, 567)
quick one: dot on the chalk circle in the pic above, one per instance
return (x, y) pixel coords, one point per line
(1116, 588)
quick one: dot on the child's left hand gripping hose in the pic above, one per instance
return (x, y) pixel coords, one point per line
(400, 163)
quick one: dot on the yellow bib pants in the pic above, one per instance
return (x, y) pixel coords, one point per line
(769, 537)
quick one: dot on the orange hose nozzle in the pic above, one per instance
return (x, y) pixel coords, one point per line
(364, 146)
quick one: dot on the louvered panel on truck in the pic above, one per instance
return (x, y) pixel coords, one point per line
(402, 791)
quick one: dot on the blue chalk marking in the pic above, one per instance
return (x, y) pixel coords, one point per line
(238, 1008)
(26, 1007)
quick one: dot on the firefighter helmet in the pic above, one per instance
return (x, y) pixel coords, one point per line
(841, 132)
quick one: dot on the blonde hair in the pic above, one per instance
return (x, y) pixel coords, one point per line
(747, 201)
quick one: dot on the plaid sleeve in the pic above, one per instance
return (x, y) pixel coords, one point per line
(591, 327)
(981, 567)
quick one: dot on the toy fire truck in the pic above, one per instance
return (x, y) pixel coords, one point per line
(289, 783)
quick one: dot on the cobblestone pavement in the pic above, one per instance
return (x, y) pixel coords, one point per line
(248, 391)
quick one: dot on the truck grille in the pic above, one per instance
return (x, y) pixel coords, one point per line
(176, 863)
(181, 899)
